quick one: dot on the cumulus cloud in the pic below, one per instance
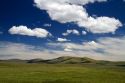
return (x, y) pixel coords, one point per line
(62, 39)
(59, 10)
(84, 32)
(24, 30)
(101, 24)
(65, 11)
(74, 31)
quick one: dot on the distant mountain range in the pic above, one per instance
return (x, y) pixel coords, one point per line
(64, 60)
(67, 60)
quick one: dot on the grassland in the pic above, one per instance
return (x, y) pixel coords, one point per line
(22, 72)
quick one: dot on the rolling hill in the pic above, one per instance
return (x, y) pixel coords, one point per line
(67, 60)
(64, 60)
(61, 70)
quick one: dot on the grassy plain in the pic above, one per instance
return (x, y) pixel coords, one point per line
(21, 72)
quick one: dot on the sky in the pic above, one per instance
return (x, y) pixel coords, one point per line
(53, 28)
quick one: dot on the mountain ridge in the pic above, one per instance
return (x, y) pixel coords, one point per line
(66, 60)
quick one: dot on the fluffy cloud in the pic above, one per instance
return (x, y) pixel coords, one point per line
(84, 32)
(74, 31)
(65, 11)
(23, 30)
(59, 10)
(101, 24)
(62, 39)
(104, 49)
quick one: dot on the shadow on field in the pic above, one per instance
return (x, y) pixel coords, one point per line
(121, 65)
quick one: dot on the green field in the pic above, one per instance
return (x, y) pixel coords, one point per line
(62, 70)
(59, 73)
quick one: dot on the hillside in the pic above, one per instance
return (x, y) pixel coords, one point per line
(67, 60)
(61, 70)
(64, 60)
(71, 60)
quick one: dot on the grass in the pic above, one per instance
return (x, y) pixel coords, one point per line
(60, 73)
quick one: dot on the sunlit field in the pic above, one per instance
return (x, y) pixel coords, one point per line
(11, 72)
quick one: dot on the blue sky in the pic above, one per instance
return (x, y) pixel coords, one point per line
(53, 28)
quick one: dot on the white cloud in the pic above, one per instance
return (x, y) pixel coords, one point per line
(101, 24)
(59, 10)
(62, 39)
(23, 30)
(10, 50)
(92, 43)
(84, 32)
(74, 31)
(83, 2)
(103, 49)
(67, 50)
(47, 25)
(65, 11)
